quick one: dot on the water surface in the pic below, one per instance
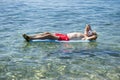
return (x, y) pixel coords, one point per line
(98, 60)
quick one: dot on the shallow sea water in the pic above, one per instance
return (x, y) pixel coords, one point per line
(98, 60)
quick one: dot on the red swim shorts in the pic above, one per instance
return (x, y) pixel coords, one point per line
(63, 37)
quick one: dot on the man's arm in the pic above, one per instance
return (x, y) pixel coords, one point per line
(87, 28)
(94, 37)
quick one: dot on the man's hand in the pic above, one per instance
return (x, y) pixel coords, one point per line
(83, 39)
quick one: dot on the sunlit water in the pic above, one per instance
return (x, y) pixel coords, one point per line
(98, 60)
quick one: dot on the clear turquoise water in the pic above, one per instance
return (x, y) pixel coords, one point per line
(98, 60)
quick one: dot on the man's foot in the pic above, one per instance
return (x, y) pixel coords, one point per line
(27, 38)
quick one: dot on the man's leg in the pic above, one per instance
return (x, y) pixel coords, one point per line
(26, 37)
(45, 36)
(39, 35)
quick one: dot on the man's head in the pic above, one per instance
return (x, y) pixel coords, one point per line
(94, 33)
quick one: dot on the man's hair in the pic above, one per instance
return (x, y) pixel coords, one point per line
(95, 33)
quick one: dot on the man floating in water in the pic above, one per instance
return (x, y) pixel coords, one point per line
(87, 35)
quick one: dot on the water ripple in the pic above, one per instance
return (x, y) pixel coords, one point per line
(59, 61)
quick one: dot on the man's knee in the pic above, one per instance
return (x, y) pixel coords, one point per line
(51, 36)
(47, 33)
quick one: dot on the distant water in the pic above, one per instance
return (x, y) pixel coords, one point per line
(98, 60)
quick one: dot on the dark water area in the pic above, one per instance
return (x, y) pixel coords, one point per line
(20, 60)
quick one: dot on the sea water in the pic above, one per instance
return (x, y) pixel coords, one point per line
(20, 60)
